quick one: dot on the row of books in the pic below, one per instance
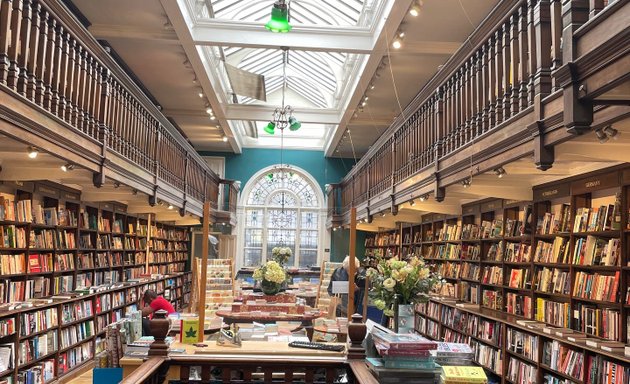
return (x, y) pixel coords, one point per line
(12, 236)
(76, 333)
(37, 347)
(596, 286)
(553, 280)
(487, 356)
(601, 218)
(563, 359)
(596, 251)
(522, 343)
(42, 372)
(521, 372)
(383, 239)
(554, 222)
(601, 322)
(518, 304)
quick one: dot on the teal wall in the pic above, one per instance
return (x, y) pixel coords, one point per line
(243, 166)
(340, 244)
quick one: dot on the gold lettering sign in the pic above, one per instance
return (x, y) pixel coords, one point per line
(20, 183)
(550, 193)
(46, 190)
(70, 196)
(591, 184)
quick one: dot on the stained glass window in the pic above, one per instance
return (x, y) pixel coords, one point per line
(282, 211)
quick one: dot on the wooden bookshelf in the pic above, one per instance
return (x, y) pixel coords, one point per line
(53, 243)
(561, 259)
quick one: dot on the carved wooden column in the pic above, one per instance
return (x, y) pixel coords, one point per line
(16, 23)
(556, 39)
(159, 329)
(356, 334)
(514, 48)
(34, 47)
(25, 38)
(492, 81)
(40, 69)
(499, 74)
(507, 58)
(6, 8)
(99, 178)
(543, 48)
(523, 76)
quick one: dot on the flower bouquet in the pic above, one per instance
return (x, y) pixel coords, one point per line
(281, 254)
(410, 281)
(271, 276)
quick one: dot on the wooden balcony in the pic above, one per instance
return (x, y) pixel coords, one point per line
(536, 73)
(63, 93)
(225, 212)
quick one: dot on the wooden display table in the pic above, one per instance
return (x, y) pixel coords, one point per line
(306, 319)
(251, 351)
(342, 335)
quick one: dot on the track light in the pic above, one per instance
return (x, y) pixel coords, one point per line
(611, 132)
(397, 43)
(209, 111)
(601, 136)
(466, 183)
(500, 172)
(33, 152)
(372, 86)
(134, 191)
(224, 138)
(67, 167)
(414, 10)
(424, 197)
(412, 203)
(170, 206)
(200, 94)
(279, 18)
(160, 203)
(116, 184)
(383, 214)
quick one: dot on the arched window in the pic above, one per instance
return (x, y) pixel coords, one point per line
(282, 208)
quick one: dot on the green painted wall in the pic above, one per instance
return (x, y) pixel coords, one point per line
(340, 244)
(243, 166)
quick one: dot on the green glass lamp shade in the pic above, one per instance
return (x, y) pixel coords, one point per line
(270, 128)
(279, 19)
(294, 124)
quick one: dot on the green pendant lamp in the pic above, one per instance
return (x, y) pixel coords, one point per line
(294, 124)
(279, 18)
(270, 128)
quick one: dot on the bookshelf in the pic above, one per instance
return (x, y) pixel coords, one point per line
(560, 260)
(382, 244)
(91, 257)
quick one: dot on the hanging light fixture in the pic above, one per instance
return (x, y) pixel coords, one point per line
(279, 18)
(283, 116)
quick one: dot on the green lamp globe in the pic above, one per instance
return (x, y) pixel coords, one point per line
(294, 124)
(279, 19)
(270, 128)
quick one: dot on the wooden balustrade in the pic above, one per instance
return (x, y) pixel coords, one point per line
(230, 191)
(49, 59)
(491, 81)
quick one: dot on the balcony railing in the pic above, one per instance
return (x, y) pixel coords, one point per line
(49, 59)
(502, 73)
(229, 189)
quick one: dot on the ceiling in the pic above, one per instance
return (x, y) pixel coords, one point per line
(339, 52)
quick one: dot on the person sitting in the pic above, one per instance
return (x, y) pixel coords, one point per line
(342, 274)
(153, 303)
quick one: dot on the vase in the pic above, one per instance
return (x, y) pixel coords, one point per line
(405, 318)
(269, 287)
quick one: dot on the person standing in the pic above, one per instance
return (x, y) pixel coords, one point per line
(342, 274)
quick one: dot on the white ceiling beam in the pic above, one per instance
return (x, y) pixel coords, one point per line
(265, 113)
(108, 32)
(434, 206)
(254, 35)
(499, 192)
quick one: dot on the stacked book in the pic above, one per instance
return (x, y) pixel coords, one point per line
(454, 354)
(403, 357)
(140, 347)
(461, 375)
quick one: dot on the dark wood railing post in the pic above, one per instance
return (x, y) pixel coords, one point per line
(523, 57)
(40, 70)
(595, 6)
(103, 129)
(556, 39)
(543, 46)
(16, 22)
(507, 81)
(574, 15)
(499, 74)
(33, 62)
(25, 38)
(182, 211)
(356, 333)
(6, 7)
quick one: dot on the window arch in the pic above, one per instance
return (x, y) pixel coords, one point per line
(282, 207)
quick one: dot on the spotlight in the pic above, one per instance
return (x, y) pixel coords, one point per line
(397, 43)
(334, 229)
(270, 128)
(383, 214)
(213, 117)
(601, 136)
(500, 172)
(170, 206)
(414, 10)
(33, 152)
(116, 184)
(372, 86)
(279, 18)
(611, 132)
(160, 203)
(134, 191)
(412, 203)
(466, 183)
(67, 167)
(209, 111)
(225, 139)
(200, 94)
(424, 197)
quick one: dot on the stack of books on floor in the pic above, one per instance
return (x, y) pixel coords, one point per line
(403, 357)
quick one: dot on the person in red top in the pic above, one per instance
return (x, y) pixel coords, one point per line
(153, 303)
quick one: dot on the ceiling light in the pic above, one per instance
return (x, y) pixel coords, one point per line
(33, 152)
(601, 136)
(67, 167)
(209, 111)
(224, 138)
(500, 172)
(372, 86)
(383, 214)
(412, 203)
(116, 184)
(294, 124)
(364, 103)
(279, 18)
(414, 10)
(611, 132)
(200, 94)
(466, 183)
(270, 128)
(213, 117)
(424, 197)
(170, 206)
(397, 43)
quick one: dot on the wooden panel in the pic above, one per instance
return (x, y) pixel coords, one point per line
(595, 183)
(552, 191)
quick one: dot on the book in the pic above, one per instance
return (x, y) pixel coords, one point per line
(461, 374)
(189, 331)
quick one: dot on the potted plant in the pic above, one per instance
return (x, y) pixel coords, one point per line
(271, 276)
(397, 285)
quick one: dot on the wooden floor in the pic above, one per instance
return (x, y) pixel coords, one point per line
(85, 378)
